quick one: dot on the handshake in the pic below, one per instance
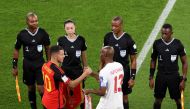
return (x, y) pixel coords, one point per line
(87, 71)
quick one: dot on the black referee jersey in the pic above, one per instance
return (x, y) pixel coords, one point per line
(167, 55)
(123, 47)
(32, 43)
(72, 50)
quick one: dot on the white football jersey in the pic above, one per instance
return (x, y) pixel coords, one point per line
(111, 77)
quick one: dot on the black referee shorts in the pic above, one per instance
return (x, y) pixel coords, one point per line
(32, 72)
(125, 85)
(170, 81)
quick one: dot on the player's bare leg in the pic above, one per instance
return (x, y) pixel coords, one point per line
(157, 103)
(32, 96)
(178, 103)
(125, 102)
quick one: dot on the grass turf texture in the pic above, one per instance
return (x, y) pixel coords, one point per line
(93, 21)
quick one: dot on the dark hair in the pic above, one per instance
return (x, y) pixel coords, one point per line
(118, 18)
(69, 21)
(167, 26)
(55, 49)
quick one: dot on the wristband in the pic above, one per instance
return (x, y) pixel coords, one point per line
(151, 77)
(14, 62)
(133, 74)
(152, 70)
(65, 79)
(184, 78)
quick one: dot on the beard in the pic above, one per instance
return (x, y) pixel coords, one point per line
(34, 27)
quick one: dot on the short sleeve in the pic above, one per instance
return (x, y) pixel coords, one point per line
(106, 42)
(181, 49)
(103, 80)
(18, 42)
(154, 52)
(46, 39)
(60, 41)
(84, 46)
(132, 47)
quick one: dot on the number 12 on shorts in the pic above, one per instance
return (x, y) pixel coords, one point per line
(118, 81)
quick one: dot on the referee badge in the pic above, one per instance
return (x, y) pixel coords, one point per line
(184, 50)
(122, 53)
(39, 48)
(134, 46)
(173, 58)
(78, 53)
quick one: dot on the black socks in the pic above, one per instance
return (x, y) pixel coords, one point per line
(82, 106)
(126, 105)
(32, 99)
(157, 105)
(178, 105)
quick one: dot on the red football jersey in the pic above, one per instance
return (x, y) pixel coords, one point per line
(53, 97)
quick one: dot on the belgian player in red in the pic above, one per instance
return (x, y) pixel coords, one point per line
(55, 80)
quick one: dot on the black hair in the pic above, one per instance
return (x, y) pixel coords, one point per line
(167, 26)
(55, 49)
(69, 21)
(118, 18)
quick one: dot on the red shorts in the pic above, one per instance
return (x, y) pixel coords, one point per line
(74, 97)
(53, 100)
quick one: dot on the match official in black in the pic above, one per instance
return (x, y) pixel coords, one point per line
(33, 39)
(124, 47)
(167, 50)
(75, 61)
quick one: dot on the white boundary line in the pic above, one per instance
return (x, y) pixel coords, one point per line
(154, 33)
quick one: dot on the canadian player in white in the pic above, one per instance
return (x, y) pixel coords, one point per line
(111, 79)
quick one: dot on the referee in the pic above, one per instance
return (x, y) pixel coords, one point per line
(124, 47)
(167, 50)
(74, 62)
(33, 39)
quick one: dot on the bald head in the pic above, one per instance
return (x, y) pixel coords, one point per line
(107, 52)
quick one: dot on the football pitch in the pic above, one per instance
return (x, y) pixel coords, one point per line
(93, 21)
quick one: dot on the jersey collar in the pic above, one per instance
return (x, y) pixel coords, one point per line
(167, 43)
(32, 34)
(117, 38)
(70, 39)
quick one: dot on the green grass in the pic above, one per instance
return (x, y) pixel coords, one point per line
(93, 19)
